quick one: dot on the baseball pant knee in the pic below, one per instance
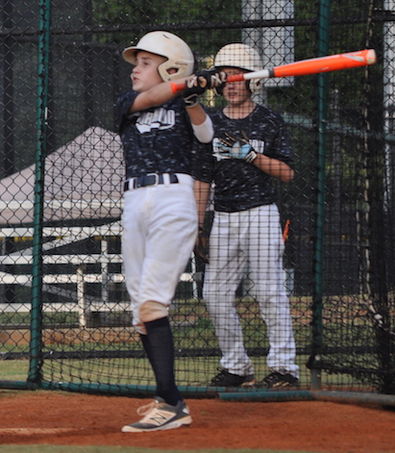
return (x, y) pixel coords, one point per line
(151, 310)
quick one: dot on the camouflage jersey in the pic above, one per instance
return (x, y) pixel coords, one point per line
(156, 140)
(240, 185)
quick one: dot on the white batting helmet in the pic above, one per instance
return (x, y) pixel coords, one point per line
(179, 55)
(241, 56)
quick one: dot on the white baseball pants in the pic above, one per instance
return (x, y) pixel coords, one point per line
(249, 241)
(159, 232)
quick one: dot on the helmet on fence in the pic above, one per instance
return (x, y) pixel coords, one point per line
(240, 56)
(179, 55)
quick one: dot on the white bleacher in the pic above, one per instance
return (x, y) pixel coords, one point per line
(83, 181)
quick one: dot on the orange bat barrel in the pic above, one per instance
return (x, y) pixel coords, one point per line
(303, 67)
(326, 64)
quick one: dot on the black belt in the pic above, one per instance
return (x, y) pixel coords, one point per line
(149, 180)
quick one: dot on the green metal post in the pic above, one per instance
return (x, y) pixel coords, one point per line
(44, 27)
(322, 105)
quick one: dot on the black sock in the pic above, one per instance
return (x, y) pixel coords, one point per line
(146, 346)
(158, 344)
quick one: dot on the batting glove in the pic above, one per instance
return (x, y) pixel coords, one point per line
(233, 147)
(191, 100)
(200, 82)
(193, 90)
(211, 78)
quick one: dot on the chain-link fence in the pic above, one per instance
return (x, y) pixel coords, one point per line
(65, 320)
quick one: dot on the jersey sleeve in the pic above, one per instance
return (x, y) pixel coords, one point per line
(281, 147)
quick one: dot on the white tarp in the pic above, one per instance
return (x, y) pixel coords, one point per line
(83, 179)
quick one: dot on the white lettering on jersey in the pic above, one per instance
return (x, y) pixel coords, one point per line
(218, 148)
(160, 119)
(258, 145)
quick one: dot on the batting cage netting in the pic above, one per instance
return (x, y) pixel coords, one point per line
(65, 315)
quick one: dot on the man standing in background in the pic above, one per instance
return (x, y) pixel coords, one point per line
(250, 149)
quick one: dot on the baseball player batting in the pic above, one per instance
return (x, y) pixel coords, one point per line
(158, 132)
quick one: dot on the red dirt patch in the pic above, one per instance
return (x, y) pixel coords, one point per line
(80, 419)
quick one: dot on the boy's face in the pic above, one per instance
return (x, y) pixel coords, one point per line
(237, 92)
(145, 74)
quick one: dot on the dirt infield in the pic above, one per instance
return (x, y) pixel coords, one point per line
(79, 419)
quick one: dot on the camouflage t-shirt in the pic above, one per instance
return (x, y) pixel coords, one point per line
(240, 185)
(157, 140)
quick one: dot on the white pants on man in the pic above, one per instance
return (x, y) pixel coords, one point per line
(250, 241)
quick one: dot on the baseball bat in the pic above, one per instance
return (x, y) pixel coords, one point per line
(304, 67)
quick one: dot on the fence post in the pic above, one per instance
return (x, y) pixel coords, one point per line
(41, 141)
(322, 105)
(81, 302)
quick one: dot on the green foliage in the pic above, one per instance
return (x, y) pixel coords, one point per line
(139, 17)
(141, 12)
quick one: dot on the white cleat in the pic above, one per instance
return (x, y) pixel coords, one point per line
(159, 416)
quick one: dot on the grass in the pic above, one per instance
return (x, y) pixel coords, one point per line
(193, 371)
(14, 370)
(193, 334)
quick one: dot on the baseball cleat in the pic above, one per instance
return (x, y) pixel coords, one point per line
(226, 379)
(276, 380)
(159, 416)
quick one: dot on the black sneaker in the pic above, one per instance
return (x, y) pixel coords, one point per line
(278, 380)
(226, 379)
